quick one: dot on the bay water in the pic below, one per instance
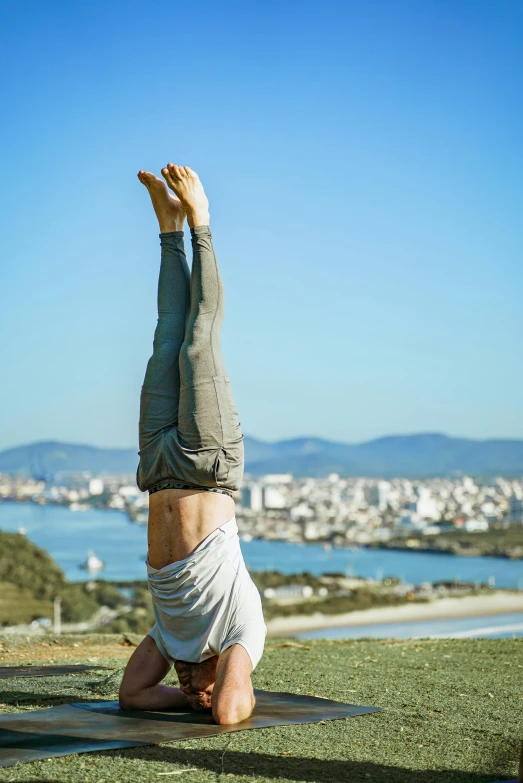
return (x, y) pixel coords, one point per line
(122, 545)
(68, 535)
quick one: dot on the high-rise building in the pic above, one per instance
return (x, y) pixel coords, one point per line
(373, 495)
(252, 497)
(515, 512)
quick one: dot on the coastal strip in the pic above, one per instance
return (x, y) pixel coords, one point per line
(498, 602)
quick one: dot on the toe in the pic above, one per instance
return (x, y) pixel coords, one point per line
(144, 178)
(191, 173)
(166, 174)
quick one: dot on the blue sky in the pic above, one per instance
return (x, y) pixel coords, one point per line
(363, 162)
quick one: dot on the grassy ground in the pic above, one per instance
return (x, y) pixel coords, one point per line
(452, 711)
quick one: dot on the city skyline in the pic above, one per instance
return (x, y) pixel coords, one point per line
(364, 171)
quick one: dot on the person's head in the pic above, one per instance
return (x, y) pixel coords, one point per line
(197, 681)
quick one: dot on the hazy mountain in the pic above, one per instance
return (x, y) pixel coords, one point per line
(400, 455)
(44, 460)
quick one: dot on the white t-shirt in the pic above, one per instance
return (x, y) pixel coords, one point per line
(207, 602)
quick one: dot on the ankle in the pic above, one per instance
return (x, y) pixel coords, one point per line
(198, 218)
(170, 224)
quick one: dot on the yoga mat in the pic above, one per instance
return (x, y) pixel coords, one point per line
(102, 725)
(44, 671)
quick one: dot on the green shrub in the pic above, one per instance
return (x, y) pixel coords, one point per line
(25, 565)
(78, 605)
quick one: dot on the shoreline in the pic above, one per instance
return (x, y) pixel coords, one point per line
(438, 609)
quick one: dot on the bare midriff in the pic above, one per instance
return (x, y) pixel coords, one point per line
(180, 519)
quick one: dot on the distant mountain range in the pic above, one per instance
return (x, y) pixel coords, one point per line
(409, 456)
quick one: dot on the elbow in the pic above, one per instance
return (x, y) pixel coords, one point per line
(233, 712)
(227, 717)
(126, 700)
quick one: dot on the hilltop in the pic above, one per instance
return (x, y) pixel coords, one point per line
(451, 712)
(409, 456)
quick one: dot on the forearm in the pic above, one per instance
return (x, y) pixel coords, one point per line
(160, 697)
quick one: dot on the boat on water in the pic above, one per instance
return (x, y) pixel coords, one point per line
(93, 563)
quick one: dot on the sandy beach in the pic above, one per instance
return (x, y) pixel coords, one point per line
(499, 602)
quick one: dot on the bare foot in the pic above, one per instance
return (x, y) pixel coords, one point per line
(186, 184)
(169, 209)
(197, 681)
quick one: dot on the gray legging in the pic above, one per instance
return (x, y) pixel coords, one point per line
(190, 435)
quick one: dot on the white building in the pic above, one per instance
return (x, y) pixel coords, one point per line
(252, 497)
(427, 507)
(301, 511)
(273, 497)
(277, 478)
(384, 489)
(96, 486)
(476, 525)
(129, 491)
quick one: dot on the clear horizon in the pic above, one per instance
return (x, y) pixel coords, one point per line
(366, 183)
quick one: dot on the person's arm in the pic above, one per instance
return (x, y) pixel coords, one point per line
(233, 696)
(141, 687)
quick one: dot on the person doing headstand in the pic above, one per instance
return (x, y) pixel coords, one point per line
(208, 612)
